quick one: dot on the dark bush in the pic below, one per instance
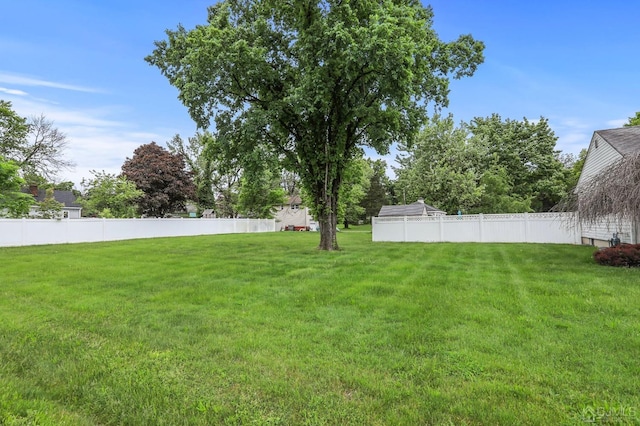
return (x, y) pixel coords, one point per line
(623, 255)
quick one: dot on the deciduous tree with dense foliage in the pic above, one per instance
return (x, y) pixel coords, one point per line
(315, 80)
(162, 177)
(108, 195)
(527, 152)
(440, 167)
(489, 165)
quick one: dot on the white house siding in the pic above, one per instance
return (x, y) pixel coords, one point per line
(287, 216)
(599, 234)
(598, 158)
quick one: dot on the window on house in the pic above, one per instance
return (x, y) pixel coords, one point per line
(295, 206)
(66, 215)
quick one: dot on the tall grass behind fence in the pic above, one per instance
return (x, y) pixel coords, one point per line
(24, 232)
(559, 228)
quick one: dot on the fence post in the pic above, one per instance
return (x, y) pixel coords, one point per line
(480, 228)
(578, 228)
(441, 224)
(373, 228)
(405, 230)
(526, 227)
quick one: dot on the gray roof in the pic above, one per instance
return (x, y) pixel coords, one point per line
(65, 197)
(414, 209)
(625, 140)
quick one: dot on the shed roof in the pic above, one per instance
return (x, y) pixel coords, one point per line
(414, 209)
(625, 140)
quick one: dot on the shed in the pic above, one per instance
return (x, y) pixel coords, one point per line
(419, 208)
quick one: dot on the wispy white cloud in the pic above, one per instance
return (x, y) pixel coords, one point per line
(573, 133)
(618, 123)
(99, 138)
(21, 80)
(14, 92)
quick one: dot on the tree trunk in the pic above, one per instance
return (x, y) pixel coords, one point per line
(328, 219)
(328, 237)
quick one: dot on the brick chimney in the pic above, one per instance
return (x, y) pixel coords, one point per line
(33, 189)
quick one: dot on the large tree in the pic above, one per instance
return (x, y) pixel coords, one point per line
(440, 167)
(527, 152)
(163, 178)
(315, 80)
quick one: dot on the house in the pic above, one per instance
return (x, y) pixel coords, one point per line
(419, 208)
(607, 147)
(292, 215)
(71, 209)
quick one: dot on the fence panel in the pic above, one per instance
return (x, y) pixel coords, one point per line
(23, 232)
(503, 228)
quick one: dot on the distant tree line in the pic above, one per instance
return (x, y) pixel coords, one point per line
(488, 165)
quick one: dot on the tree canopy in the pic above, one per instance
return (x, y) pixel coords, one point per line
(162, 177)
(108, 195)
(13, 130)
(13, 202)
(35, 145)
(489, 165)
(634, 121)
(315, 81)
(441, 167)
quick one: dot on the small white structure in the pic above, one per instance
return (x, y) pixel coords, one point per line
(419, 208)
(293, 216)
(606, 148)
(209, 214)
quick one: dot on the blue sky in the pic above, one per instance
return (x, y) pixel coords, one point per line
(81, 64)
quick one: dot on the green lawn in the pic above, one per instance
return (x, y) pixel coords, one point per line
(265, 329)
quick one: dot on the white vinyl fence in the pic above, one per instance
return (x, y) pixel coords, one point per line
(560, 228)
(24, 232)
